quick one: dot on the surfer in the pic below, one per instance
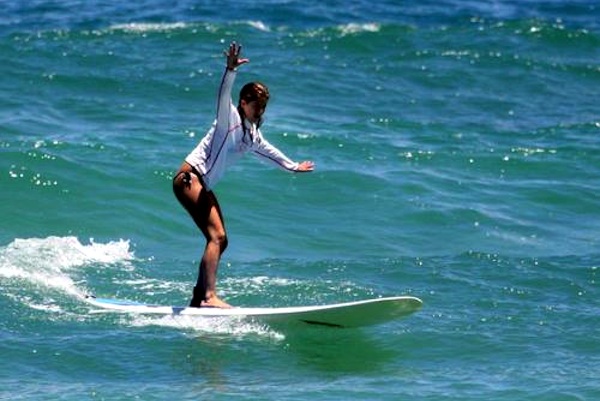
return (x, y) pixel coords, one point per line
(234, 132)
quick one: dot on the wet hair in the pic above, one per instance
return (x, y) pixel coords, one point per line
(253, 91)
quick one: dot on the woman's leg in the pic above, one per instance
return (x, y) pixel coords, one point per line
(216, 243)
(204, 208)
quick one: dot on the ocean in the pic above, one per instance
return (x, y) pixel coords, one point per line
(457, 152)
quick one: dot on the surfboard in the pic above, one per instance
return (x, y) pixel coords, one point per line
(348, 314)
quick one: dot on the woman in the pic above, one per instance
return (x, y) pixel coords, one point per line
(235, 132)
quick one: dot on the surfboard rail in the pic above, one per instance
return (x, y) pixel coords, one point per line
(346, 314)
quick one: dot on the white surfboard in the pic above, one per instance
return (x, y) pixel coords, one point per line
(349, 314)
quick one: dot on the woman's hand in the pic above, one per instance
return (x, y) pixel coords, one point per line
(305, 167)
(233, 56)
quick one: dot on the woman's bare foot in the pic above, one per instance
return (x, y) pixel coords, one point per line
(215, 302)
(211, 300)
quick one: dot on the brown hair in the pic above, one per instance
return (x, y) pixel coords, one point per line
(253, 91)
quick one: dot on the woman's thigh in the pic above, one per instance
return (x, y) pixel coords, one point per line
(202, 205)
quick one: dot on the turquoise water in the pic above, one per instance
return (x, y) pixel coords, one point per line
(458, 160)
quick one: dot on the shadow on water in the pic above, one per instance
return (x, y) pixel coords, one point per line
(337, 350)
(325, 349)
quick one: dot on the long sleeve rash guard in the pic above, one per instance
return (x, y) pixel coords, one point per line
(225, 142)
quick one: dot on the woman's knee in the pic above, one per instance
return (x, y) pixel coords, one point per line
(220, 239)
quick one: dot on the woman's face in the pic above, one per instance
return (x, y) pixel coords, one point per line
(254, 109)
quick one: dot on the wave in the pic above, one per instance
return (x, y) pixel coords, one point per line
(353, 28)
(194, 326)
(50, 265)
(142, 27)
(49, 274)
(161, 27)
(198, 27)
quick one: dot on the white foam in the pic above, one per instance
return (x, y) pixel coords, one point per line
(261, 26)
(46, 308)
(143, 27)
(353, 28)
(255, 285)
(153, 286)
(148, 27)
(48, 262)
(231, 327)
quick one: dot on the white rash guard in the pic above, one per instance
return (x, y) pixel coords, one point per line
(225, 142)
